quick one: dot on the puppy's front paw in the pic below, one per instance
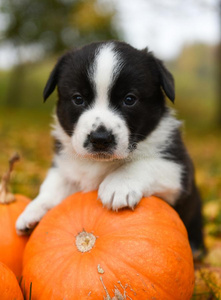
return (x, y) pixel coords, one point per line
(30, 218)
(117, 192)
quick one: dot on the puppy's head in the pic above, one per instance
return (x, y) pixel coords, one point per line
(110, 97)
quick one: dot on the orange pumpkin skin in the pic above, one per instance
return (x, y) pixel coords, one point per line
(141, 254)
(11, 245)
(9, 287)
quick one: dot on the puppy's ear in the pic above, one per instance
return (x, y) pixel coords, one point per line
(53, 78)
(166, 80)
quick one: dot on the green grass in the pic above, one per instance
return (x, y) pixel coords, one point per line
(28, 133)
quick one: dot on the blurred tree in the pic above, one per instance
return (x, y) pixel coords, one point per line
(219, 73)
(39, 28)
(54, 25)
(202, 5)
(195, 73)
(93, 21)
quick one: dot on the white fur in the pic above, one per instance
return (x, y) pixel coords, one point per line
(54, 188)
(106, 68)
(120, 183)
(159, 139)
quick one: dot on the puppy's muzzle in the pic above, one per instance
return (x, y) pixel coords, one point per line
(101, 140)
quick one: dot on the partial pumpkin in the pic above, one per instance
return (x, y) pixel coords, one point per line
(9, 287)
(81, 250)
(11, 206)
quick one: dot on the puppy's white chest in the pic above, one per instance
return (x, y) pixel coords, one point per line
(86, 175)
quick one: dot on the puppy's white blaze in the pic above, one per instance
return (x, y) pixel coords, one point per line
(107, 66)
(103, 73)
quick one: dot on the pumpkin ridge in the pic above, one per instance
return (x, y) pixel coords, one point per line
(160, 224)
(51, 217)
(111, 233)
(56, 229)
(126, 263)
(53, 247)
(76, 277)
(115, 231)
(99, 215)
(45, 223)
(129, 236)
(137, 272)
(58, 266)
(77, 266)
(46, 250)
(100, 220)
(156, 282)
(157, 244)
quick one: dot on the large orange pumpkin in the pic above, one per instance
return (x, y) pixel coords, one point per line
(9, 287)
(81, 250)
(11, 206)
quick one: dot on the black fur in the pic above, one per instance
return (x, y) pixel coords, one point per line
(140, 76)
(188, 205)
(70, 76)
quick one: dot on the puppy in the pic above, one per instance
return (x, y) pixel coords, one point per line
(113, 132)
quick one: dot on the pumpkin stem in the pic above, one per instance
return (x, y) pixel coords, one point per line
(85, 241)
(5, 196)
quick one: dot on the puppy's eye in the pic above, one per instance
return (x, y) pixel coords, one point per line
(78, 99)
(130, 100)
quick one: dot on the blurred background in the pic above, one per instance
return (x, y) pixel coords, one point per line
(185, 34)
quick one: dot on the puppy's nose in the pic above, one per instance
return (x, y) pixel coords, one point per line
(101, 139)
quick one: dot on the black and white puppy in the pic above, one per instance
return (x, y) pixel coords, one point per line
(113, 132)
